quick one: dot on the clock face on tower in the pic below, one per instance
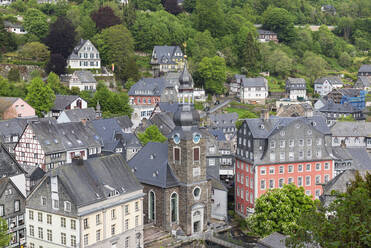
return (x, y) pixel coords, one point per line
(196, 138)
(176, 138)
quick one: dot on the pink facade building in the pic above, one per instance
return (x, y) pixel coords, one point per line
(13, 107)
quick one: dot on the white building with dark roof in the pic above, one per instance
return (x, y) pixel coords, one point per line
(296, 88)
(254, 90)
(363, 82)
(66, 102)
(167, 59)
(267, 35)
(325, 85)
(84, 56)
(84, 80)
(365, 70)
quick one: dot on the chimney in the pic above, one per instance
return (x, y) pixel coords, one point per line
(83, 121)
(342, 144)
(264, 114)
(308, 113)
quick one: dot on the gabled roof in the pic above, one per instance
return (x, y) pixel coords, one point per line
(351, 128)
(359, 155)
(150, 165)
(164, 121)
(331, 80)
(168, 107)
(85, 77)
(62, 101)
(4, 182)
(223, 120)
(149, 87)
(274, 240)
(295, 84)
(262, 31)
(76, 115)
(262, 129)
(75, 52)
(124, 121)
(8, 165)
(217, 133)
(294, 110)
(8, 24)
(365, 68)
(331, 107)
(12, 127)
(165, 54)
(6, 102)
(96, 178)
(351, 92)
(254, 82)
(363, 81)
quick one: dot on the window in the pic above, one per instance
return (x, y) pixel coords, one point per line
(309, 142)
(262, 171)
(40, 217)
(97, 219)
(327, 178)
(251, 182)
(41, 233)
(2, 210)
(300, 168)
(327, 166)
(282, 155)
(247, 181)
(126, 224)
(32, 231)
(67, 206)
(73, 240)
(30, 214)
(318, 193)
(49, 219)
(291, 156)
(301, 142)
(113, 229)
(151, 205)
(174, 207)
(176, 154)
(319, 141)
(309, 153)
(211, 161)
(300, 181)
(43, 201)
(308, 167)
(307, 180)
(16, 205)
(271, 184)
(86, 226)
(97, 235)
(318, 179)
(55, 204)
(137, 220)
(282, 143)
(291, 143)
(49, 235)
(127, 242)
(307, 192)
(281, 169)
(137, 206)
(301, 154)
(73, 224)
(262, 184)
(291, 169)
(290, 180)
(126, 209)
(319, 153)
(273, 144)
(196, 154)
(86, 239)
(113, 214)
(318, 166)
(281, 181)
(272, 156)
(63, 222)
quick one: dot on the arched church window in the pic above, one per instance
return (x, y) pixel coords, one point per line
(152, 206)
(174, 207)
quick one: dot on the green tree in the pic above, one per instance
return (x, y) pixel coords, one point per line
(40, 96)
(55, 84)
(35, 51)
(280, 21)
(151, 134)
(315, 65)
(87, 28)
(279, 63)
(116, 46)
(35, 22)
(129, 83)
(13, 75)
(7, 40)
(345, 60)
(348, 226)
(152, 5)
(278, 210)
(248, 47)
(189, 5)
(4, 236)
(212, 72)
(210, 16)
(201, 45)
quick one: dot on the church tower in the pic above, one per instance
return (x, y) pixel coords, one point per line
(185, 91)
(187, 158)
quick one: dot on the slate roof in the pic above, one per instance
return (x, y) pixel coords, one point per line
(223, 120)
(64, 136)
(12, 127)
(351, 92)
(124, 121)
(363, 81)
(76, 115)
(3, 184)
(165, 54)
(294, 110)
(331, 107)
(351, 128)
(274, 240)
(87, 183)
(62, 101)
(8, 165)
(168, 107)
(360, 157)
(75, 52)
(150, 166)
(8, 24)
(365, 68)
(295, 84)
(331, 80)
(275, 123)
(6, 102)
(255, 82)
(264, 32)
(164, 121)
(85, 77)
(149, 87)
(217, 133)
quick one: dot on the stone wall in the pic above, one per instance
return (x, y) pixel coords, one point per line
(24, 70)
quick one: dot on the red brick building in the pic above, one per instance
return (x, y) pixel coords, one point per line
(273, 151)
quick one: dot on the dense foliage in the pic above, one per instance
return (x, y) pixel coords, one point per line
(151, 134)
(4, 236)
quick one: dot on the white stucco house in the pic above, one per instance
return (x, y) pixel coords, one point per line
(84, 80)
(296, 88)
(325, 85)
(84, 56)
(254, 90)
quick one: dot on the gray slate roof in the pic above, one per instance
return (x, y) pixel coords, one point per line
(351, 128)
(349, 92)
(6, 102)
(255, 82)
(149, 87)
(12, 127)
(295, 84)
(85, 77)
(84, 183)
(331, 80)
(262, 31)
(223, 120)
(164, 121)
(62, 101)
(275, 240)
(331, 107)
(8, 165)
(217, 133)
(360, 157)
(8, 24)
(363, 81)
(76, 115)
(165, 54)
(365, 68)
(150, 166)
(75, 52)
(274, 124)
(168, 107)
(124, 121)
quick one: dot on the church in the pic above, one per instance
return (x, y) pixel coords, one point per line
(180, 192)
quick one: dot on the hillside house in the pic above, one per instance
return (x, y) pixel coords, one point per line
(14, 107)
(254, 90)
(325, 85)
(66, 102)
(167, 59)
(296, 88)
(266, 36)
(84, 56)
(84, 80)
(365, 70)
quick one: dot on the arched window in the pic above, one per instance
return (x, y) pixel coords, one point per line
(174, 207)
(151, 206)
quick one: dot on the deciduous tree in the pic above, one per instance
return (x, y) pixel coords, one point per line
(278, 210)
(35, 22)
(57, 64)
(212, 73)
(105, 18)
(4, 236)
(315, 65)
(40, 96)
(7, 40)
(55, 84)
(210, 16)
(151, 134)
(35, 51)
(280, 21)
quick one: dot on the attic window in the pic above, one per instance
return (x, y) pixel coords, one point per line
(113, 193)
(261, 126)
(152, 156)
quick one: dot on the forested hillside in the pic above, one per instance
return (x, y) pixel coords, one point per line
(218, 36)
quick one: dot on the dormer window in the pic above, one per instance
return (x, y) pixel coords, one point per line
(113, 193)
